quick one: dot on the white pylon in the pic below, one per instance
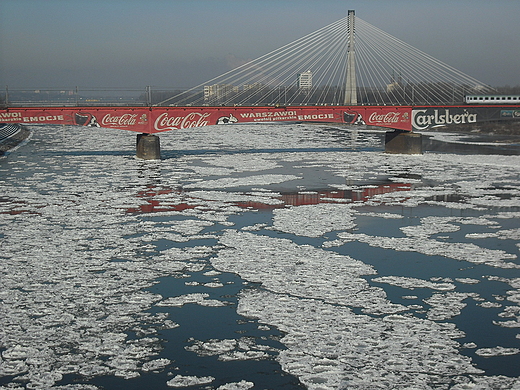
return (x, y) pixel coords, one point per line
(350, 85)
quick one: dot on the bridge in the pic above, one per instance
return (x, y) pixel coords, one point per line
(349, 72)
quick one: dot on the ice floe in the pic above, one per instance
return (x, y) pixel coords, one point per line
(301, 270)
(314, 221)
(230, 349)
(459, 251)
(189, 380)
(497, 351)
(157, 364)
(356, 351)
(197, 298)
(411, 283)
(232, 182)
(242, 385)
(447, 305)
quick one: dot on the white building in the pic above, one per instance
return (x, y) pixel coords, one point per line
(218, 91)
(305, 80)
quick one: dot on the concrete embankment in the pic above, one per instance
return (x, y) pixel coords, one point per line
(12, 135)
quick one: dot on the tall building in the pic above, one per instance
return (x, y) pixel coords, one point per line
(305, 80)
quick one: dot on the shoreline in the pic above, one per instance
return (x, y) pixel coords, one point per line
(505, 131)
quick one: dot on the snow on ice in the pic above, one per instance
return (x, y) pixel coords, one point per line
(77, 267)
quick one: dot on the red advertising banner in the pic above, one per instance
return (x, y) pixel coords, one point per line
(161, 119)
(126, 118)
(390, 117)
(166, 119)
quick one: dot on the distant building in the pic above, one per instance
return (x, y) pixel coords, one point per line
(248, 87)
(218, 91)
(305, 80)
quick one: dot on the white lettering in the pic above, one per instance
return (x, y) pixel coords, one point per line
(389, 117)
(421, 120)
(194, 119)
(5, 115)
(43, 119)
(121, 120)
(269, 114)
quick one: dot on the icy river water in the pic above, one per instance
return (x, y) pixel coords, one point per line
(261, 256)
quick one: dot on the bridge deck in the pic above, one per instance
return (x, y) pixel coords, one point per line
(160, 119)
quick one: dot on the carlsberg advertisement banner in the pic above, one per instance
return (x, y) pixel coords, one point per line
(428, 117)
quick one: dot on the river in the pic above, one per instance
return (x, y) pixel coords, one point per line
(260, 256)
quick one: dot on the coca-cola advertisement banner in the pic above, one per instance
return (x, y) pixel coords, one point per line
(172, 119)
(161, 119)
(389, 117)
(135, 119)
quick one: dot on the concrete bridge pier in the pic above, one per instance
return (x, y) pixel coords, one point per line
(148, 147)
(403, 142)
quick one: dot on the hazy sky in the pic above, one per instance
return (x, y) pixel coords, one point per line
(182, 43)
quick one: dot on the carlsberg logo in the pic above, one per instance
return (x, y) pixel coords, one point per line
(424, 119)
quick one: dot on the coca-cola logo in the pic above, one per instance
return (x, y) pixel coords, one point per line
(119, 120)
(389, 117)
(165, 122)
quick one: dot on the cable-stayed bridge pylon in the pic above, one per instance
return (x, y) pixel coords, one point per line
(348, 62)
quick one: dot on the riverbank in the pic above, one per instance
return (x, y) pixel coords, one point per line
(506, 131)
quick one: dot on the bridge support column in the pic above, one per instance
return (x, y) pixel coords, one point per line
(148, 147)
(403, 142)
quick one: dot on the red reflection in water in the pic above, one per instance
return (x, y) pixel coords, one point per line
(289, 198)
(154, 205)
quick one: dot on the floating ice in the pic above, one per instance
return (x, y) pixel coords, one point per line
(507, 324)
(78, 267)
(459, 251)
(304, 271)
(256, 227)
(186, 381)
(497, 351)
(230, 349)
(243, 355)
(381, 215)
(197, 298)
(213, 284)
(212, 273)
(411, 283)
(314, 220)
(190, 226)
(448, 305)
(242, 385)
(212, 347)
(489, 305)
(479, 236)
(356, 351)
(467, 280)
(155, 365)
(430, 226)
(236, 197)
(249, 163)
(243, 181)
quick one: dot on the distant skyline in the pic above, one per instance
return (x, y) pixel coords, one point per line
(182, 43)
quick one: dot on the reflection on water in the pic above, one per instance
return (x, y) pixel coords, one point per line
(296, 198)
